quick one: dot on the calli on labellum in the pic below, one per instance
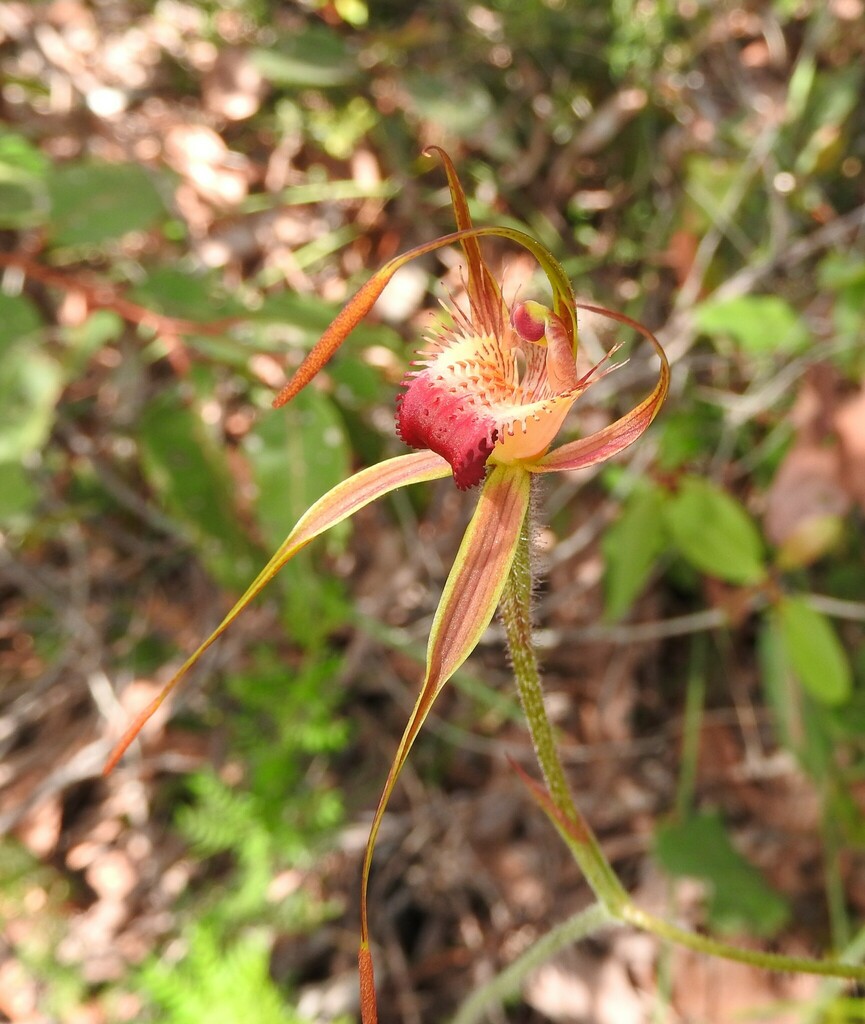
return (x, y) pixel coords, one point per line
(484, 403)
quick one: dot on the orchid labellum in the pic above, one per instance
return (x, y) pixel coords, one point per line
(484, 403)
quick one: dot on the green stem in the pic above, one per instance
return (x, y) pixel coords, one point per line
(506, 984)
(516, 609)
(632, 914)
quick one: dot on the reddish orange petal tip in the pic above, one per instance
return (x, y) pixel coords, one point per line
(126, 739)
(341, 326)
(290, 391)
(368, 1007)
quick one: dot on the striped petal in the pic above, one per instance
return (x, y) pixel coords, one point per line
(606, 443)
(488, 309)
(337, 505)
(468, 603)
(484, 293)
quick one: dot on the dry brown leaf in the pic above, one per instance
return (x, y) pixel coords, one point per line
(39, 829)
(217, 174)
(233, 87)
(850, 427)
(805, 504)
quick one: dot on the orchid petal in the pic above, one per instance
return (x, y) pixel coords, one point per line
(468, 603)
(488, 308)
(351, 315)
(611, 440)
(484, 293)
(337, 505)
(561, 367)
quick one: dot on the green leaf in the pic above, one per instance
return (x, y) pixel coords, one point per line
(757, 323)
(181, 292)
(814, 651)
(714, 533)
(803, 727)
(18, 318)
(17, 153)
(82, 340)
(22, 202)
(709, 181)
(298, 453)
(834, 97)
(839, 270)
(314, 58)
(30, 384)
(189, 472)
(740, 899)
(631, 547)
(217, 982)
(23, 196)
(92, 203)
(339, 130)
(465, 107)
(301, 320)
(18, 496)
(684, 433)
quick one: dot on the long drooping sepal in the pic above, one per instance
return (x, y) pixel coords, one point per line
(468, 603)
(337, 505)
(488, 309)
(611, 440)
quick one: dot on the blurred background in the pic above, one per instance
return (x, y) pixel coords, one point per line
(188, 192)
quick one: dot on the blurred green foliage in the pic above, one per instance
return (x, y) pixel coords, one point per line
(740, 899)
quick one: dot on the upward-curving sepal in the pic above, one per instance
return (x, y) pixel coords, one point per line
(488, 309)
(484, 293)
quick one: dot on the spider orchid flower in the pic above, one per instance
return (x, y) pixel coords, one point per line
(483, 403)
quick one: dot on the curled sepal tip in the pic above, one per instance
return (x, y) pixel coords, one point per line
(611, 440)
(484, 293)
(368, 1007)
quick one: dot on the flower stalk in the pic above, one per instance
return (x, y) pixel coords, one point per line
(559, 805)
(516, 612)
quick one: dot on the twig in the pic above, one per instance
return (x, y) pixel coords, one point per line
(102, 295)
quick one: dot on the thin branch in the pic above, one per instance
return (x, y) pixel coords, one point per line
(103, 295)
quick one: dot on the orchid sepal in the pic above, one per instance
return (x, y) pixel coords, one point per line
(337, 505)
(359, 305)
(484, 293)
(468, 603)
(617, 436)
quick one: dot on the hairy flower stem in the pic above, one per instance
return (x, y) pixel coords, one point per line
(516, 610)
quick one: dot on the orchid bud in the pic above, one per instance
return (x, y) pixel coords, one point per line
(529, 320)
